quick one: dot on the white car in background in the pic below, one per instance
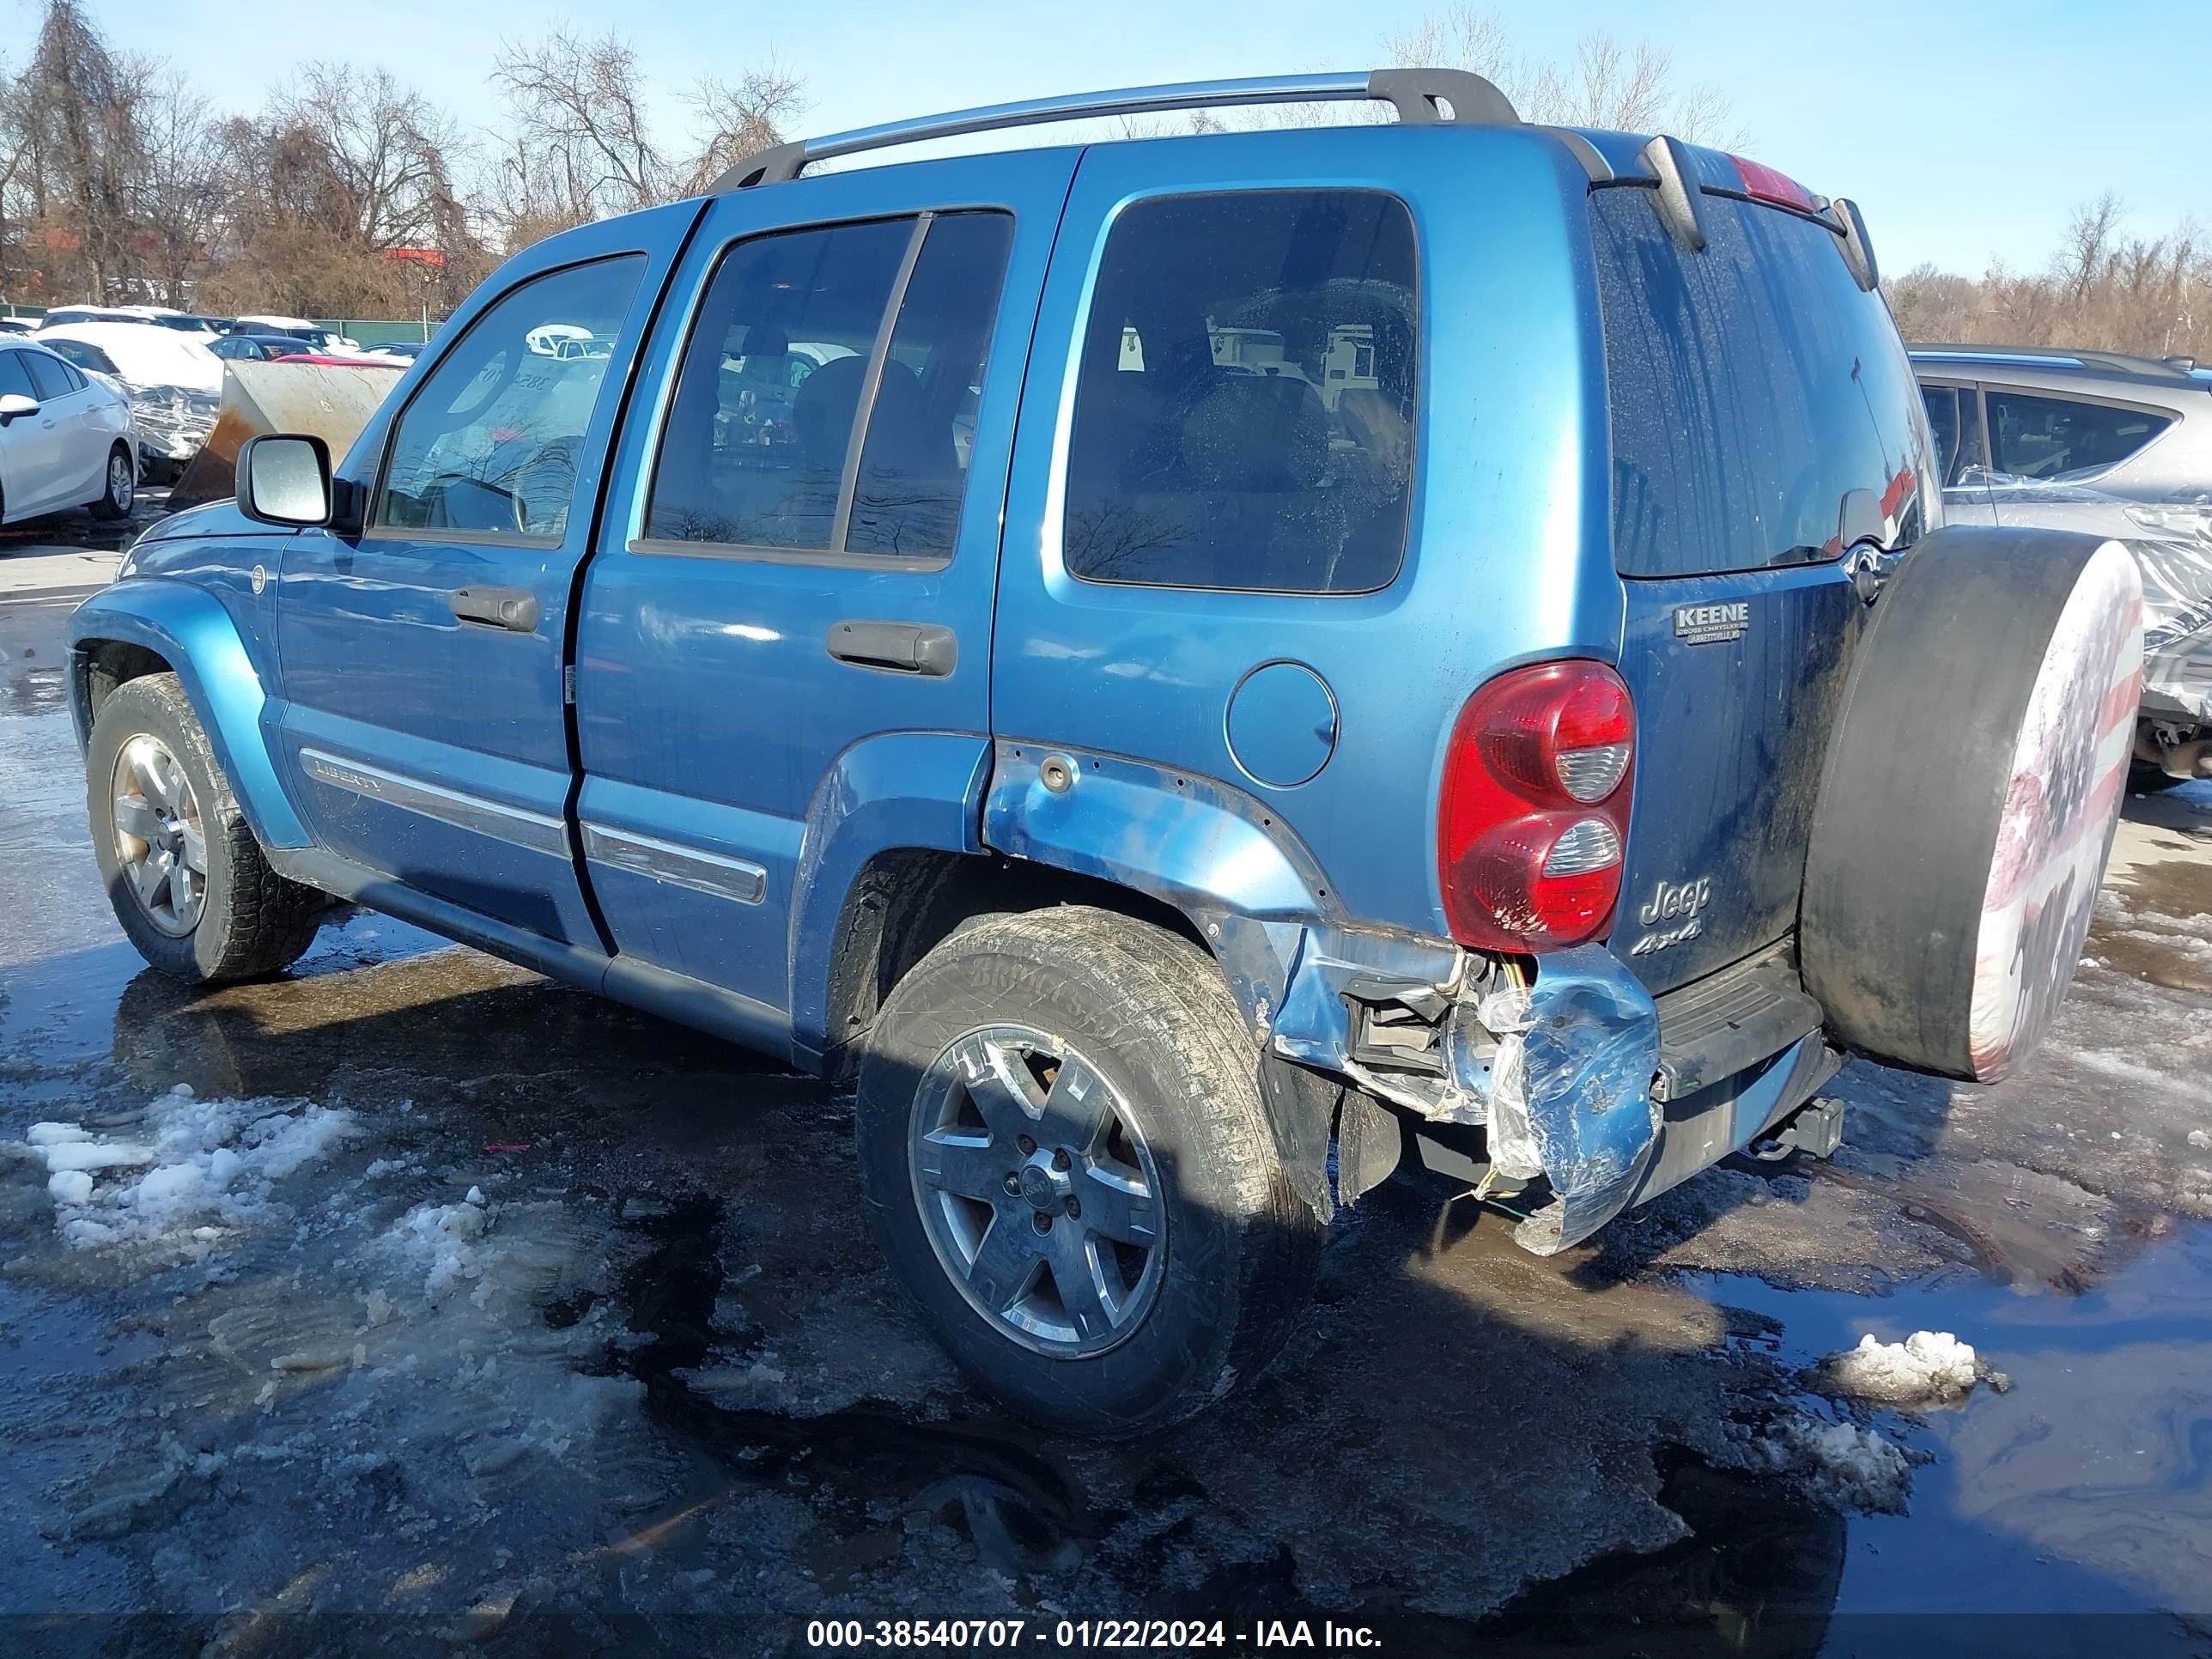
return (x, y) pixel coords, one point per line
(174, 382)
(66, 440)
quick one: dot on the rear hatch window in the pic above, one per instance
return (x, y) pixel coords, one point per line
(1764, 418)
(1755, 386)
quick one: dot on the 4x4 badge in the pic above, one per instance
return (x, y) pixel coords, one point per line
(1712, 624)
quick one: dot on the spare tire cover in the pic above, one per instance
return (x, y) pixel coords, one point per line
(1971, 788)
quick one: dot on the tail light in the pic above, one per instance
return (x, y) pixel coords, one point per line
(1535, 809)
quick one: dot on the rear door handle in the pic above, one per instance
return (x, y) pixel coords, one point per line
(512, 608)
(902, 647)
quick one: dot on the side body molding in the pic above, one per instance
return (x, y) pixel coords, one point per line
(190, 631)
(901, 789)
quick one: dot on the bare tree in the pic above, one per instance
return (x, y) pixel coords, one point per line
(77, 104)
(183, 186)
(580, 143)
(344, 201)
(736, 119)
(1630, 86)
(2103, 288)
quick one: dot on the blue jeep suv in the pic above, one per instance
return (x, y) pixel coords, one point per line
(1189, 672)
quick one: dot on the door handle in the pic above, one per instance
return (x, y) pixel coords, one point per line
(512, 608)
(902, 647)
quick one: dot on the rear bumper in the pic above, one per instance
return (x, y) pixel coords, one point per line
(1582, 1078)
(1613, 1098)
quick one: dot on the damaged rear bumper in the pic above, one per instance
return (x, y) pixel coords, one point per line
(1580, 1079)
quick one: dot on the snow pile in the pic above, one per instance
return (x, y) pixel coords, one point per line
(207, 1165)
(443, 1238)
(1850, 1466)
(1927, 1366)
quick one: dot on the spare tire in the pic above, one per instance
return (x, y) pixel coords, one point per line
(1969, 797)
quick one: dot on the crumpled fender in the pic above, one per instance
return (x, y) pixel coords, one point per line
(1569, 1091)
(189, 629)
(1214, 853)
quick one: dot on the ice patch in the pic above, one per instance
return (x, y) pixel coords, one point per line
(90, 1154)
(442, 1235)
(215, 1165)
(1852, 1467)
(1927, 1366)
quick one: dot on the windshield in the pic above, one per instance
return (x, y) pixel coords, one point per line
(1763, 410)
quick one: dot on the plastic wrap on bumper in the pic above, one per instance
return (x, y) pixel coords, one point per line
(2171, 538)
(173, 422)
(1570, 1091)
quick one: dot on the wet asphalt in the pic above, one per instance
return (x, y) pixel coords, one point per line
(652, 1392)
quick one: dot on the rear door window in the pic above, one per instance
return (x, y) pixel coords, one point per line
(2064, 437)
(783, 368)
(1755, 387)
(1245, 412)
(1955, 420)
(49, 376)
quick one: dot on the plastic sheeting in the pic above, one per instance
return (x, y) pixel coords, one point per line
(173, 421)
(1571, 1092)
(2172, 540)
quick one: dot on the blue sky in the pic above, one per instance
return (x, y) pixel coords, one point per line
(1964, 128)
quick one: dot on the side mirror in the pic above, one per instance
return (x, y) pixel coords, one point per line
(14, 403)
(285, 480)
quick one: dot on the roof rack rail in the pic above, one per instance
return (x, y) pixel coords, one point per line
(1421, 96)
(2168, 368)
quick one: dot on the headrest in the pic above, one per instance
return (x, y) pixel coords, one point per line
(823, 410)
(1256, 432)
(902, 436)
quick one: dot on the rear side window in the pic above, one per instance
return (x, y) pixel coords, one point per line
(51, 378)
(783, 369)
(1954, 420)
(1244, 416)
(2056, 438)
(1754, 387)
(492, 443)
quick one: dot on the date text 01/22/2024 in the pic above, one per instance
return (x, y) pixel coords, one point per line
(1104, 1633)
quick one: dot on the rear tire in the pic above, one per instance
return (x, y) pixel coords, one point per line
(2151, 780)
(159, 805)
(1139, 1033)
(121, 493)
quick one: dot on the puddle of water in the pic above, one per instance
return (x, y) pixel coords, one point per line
(866, 1470)
(2082, 1490)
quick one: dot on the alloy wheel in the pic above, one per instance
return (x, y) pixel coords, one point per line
(159, 843)
(1037, 1191)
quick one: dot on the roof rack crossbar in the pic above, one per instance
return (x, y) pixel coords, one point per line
(1422, 96)
(2154, 367)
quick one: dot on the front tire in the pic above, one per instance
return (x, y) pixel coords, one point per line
(121, 493)
(1068, 1162)
(187, 880)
